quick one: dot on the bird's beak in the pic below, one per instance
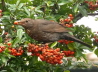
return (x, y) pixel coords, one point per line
(18, 23)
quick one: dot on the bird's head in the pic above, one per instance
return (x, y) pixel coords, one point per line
(26, 22)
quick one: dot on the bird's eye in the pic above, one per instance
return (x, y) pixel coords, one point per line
(26, 21)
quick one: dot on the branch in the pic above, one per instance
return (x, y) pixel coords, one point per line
(79, 16)
(3, 4)
(92, 14)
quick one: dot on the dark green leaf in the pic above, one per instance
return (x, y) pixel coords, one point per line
(0, 39)
(83, 11)
(75, 8)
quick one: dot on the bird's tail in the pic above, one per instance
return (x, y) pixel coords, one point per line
(72, 38)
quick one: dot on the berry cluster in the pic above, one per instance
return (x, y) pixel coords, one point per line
(52, 56)
(92, 5)
(2, 48)
(45, 53)
(36, 49)
(68, 21)
(0, 13)
(96, 37)
(12, 51)
(65, 41)
(69, 53)
(16, 52)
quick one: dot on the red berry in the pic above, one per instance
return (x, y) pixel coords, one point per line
(18, 54)
(66, 20)
(70, 15)
(9, 44)
(16, 22)
(0, 11)
(1, 50)
(0, 14)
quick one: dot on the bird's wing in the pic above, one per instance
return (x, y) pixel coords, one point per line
(52, 27)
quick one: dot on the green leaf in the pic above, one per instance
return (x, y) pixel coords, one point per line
(85, 47)
(53, 44)
(17, 3)
(20, 5)
(67, 71)
(27, 11)
(70, 33)
(78, 54)
(19, 33)
(71, 46)
(0, 39)
(75, 8)
(18, 37)
(3, 59)
(96, 51)
(15, 41)
(83, 11)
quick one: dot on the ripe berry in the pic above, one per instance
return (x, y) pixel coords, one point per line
(18, 54)
(16, 22)
(66, 20)
(0, 14)
(71, 18)
(0, 11)
(70, 15)
(9, 44)
(1, 50)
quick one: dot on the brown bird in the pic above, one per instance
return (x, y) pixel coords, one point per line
(47, 31)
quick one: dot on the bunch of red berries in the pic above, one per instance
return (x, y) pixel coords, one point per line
(12, 51)
(96, 37)
(65, 41)
(52, 56)
(68, 21)
(45, 53)
(92, 5)
(16, 52)
(36, 49)
(2, 48)
(69, 53)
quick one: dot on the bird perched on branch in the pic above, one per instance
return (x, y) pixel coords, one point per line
(47, 31)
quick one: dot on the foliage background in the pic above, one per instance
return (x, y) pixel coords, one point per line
(42, 9)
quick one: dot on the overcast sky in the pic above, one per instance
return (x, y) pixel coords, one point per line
(90, 22)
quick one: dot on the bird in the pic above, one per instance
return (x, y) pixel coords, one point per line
(47, 31)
